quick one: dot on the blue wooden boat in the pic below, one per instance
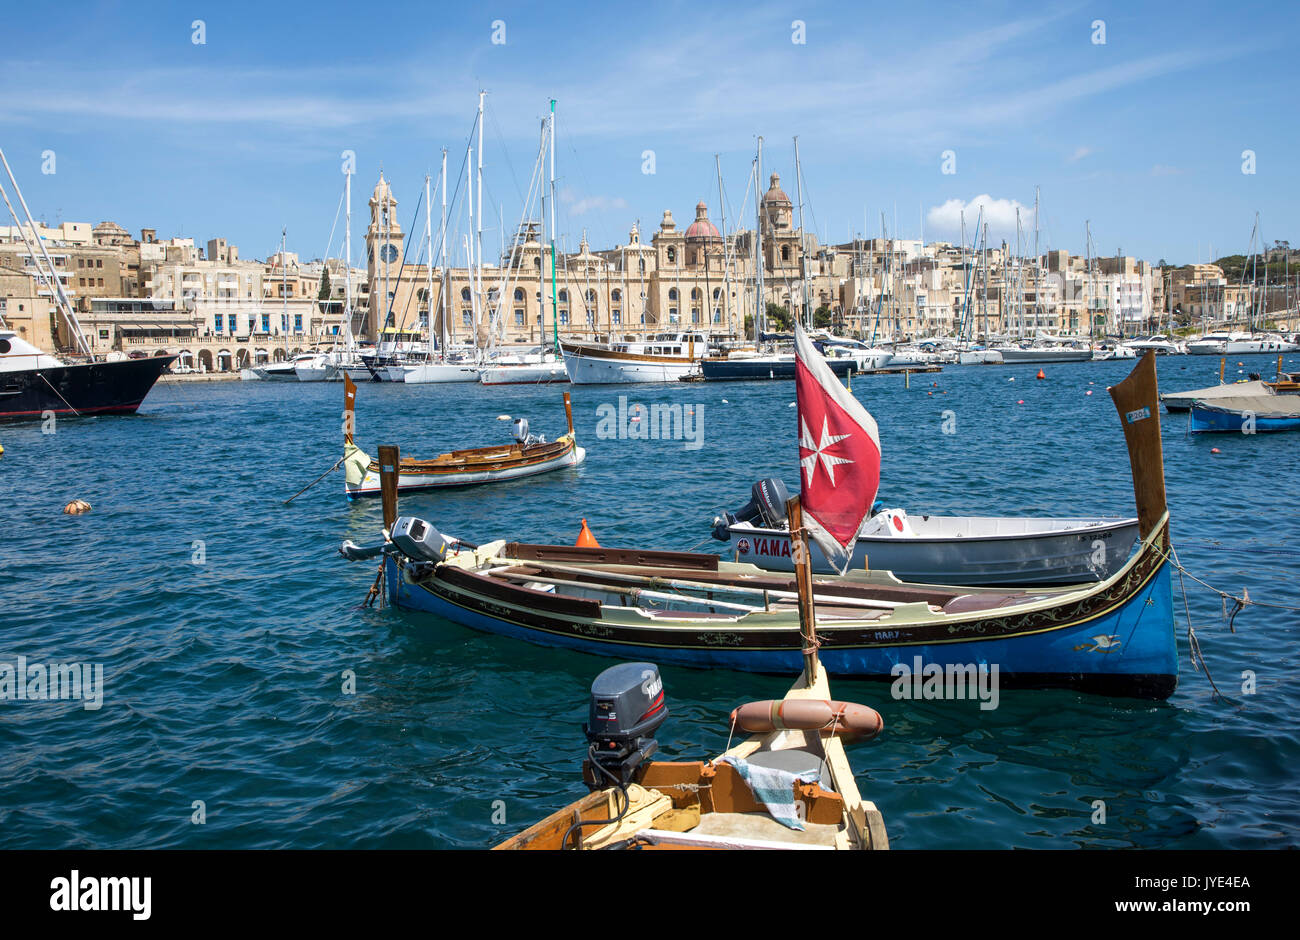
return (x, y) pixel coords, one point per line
(1246, 414)
(693, 609)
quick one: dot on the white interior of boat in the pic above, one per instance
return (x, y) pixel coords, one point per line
(896, 523)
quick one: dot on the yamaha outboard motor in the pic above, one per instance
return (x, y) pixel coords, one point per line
(766, 508)
(627, 707)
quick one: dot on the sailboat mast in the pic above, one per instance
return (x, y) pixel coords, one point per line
(428, 260)
(726, 252)
(442, 281)
(57, 293)
(478, 249)
(555, 310)
(760, 312)
(284, 295)
(347, 260)
(805, 312)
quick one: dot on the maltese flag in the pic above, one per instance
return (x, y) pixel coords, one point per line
(839, 455)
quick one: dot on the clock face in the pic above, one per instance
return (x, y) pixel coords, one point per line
(388, 253)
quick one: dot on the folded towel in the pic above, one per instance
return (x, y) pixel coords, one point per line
(773, 788)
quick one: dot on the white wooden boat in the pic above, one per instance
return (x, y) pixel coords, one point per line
(1182, 401)
(983, 550)
(527, 455)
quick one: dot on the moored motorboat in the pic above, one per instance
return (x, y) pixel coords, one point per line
(977, 550)
(1182, 401)
(1245, 414)
(34, 384)
(528, 455)
(664, 358)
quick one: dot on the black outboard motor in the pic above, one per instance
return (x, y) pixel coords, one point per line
(627, 707)
(766, 508)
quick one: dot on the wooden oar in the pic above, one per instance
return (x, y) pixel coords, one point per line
(317, 480)
(720, 587)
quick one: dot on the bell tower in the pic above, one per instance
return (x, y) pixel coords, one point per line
(383, 255)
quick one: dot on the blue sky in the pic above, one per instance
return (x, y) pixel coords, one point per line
(1142, 136)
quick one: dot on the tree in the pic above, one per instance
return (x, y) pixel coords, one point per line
(778, 316)
(749, 326)
(324, 293)
(822, 317)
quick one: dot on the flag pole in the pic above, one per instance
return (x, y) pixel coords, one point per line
(803, 580)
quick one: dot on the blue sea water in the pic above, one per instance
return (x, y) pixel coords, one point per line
(225, 621)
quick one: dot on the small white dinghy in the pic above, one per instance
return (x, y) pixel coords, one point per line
(930, 549)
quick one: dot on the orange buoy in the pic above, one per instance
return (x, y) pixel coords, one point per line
(76, 507)
(585, 538)
(1021, 402)
(1214, 450)
(1041, 374)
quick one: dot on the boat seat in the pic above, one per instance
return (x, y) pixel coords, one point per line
(794, 760)
(969, 603)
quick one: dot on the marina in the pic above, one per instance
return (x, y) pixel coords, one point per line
(411, 658)
(714, 430)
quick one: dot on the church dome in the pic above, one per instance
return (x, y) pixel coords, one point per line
(702, 228)
(775, 194)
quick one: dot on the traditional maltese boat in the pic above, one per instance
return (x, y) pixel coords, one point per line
(986, 550)
(527, 455)
(1114, 637)
(785, 785)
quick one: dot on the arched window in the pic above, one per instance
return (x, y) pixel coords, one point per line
(564, 296)
(591, 296)
(672, 255)
(785, 252)
(695, 293)
(519, 293)
(617, 295)
(641, 263)
(464, 294)
(717, 292)
(672, 293)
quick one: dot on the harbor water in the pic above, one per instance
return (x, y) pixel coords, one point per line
(250, 701)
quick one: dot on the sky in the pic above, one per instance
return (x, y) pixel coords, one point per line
(1138, 121)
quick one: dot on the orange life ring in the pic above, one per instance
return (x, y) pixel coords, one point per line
(857, 722)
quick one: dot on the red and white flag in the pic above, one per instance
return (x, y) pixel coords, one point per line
(839, 455)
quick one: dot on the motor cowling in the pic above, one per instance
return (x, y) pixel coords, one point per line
(766, 508)
(627, 707)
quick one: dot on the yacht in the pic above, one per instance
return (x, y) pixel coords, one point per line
(33, 383)
(666, 357)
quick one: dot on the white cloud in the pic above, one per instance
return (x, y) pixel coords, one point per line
(1079, 154)
(580, 205)
(945, 220)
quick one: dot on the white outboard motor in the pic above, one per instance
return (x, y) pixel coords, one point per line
(419, 540)
(523, 437)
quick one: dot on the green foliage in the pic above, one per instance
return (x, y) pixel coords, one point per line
(778, 318)
(324, 293)
(822, 317)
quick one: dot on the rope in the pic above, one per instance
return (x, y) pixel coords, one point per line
(1225, 596)
(57, 392)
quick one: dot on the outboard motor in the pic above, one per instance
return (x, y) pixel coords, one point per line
(419, 540)
(627, 707)
(523, 437)
(766, 508)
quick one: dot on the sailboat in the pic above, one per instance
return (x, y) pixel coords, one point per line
(34, 383)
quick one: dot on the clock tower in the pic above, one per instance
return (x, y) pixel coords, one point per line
(383, 255)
